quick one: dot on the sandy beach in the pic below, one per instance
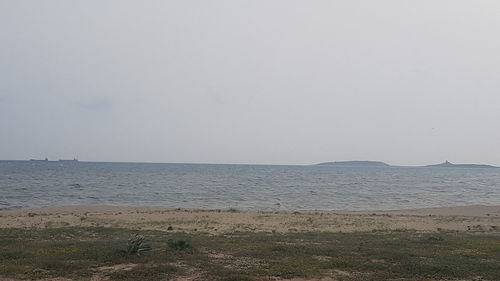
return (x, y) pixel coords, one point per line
(89, 243)
(466, 218)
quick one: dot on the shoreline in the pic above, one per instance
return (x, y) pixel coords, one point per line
(461, 210)
(475, 218)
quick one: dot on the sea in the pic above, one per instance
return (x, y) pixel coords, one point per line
(28, 184)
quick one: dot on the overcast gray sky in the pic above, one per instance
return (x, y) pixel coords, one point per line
(256, 81)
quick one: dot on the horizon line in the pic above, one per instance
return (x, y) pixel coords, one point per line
(243, 164)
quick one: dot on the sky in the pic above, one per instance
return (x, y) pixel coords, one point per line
(254, 81)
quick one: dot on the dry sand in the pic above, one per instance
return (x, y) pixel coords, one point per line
(468, 218)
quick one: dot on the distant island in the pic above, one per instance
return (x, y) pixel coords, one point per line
(355, 164)
(445, 164)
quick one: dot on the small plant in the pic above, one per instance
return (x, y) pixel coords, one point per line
(136, 245)
(178, 245)
(435, 238)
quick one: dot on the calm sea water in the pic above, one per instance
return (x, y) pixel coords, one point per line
(256, 187)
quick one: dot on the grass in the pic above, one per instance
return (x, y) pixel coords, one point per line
(136, 245)
(179, 245)
(146, 273)
(80, 253)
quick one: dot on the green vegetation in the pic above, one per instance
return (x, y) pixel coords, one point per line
(136, 245)
(146, 272)
(80, 253)
(178, 245)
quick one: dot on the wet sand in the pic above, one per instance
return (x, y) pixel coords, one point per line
(467, 218)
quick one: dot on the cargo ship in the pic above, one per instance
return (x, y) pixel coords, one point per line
(38, 160)
(68, 161)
